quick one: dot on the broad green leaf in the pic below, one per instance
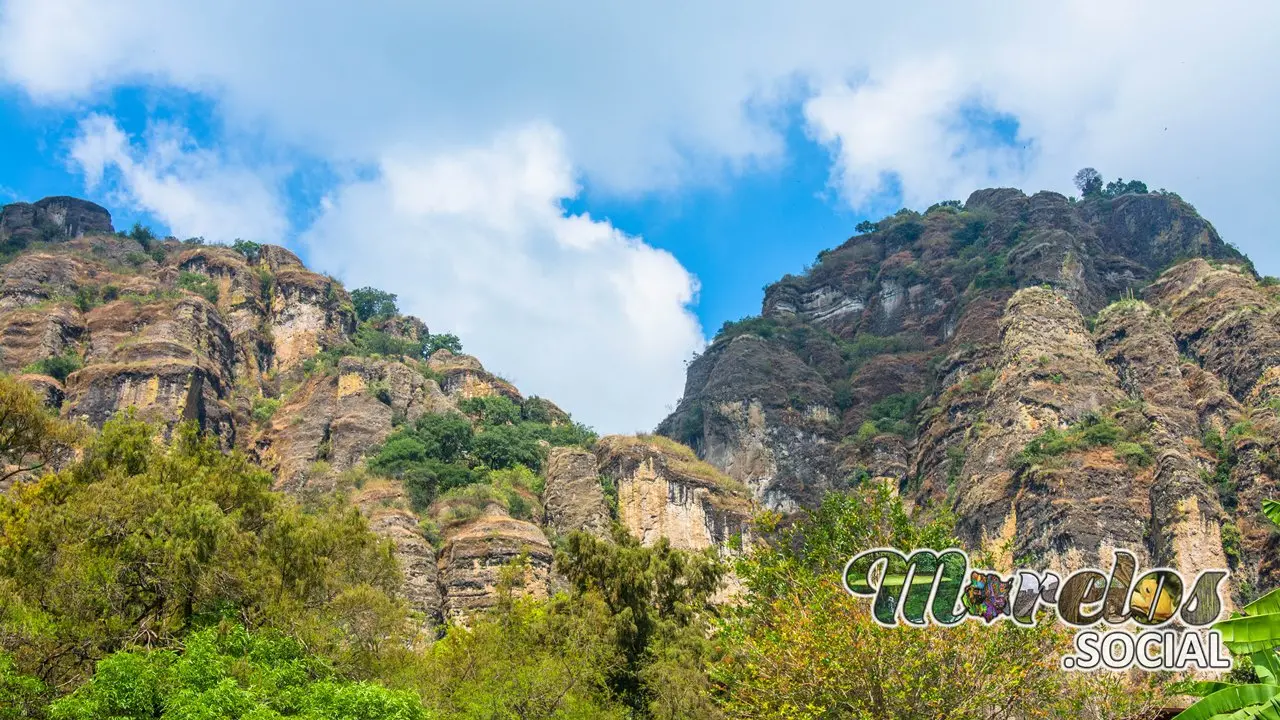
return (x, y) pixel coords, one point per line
(1248, 635)
(1269, 710)
(1271, 508)
(1269, 603)
(1267, 664)
(1229, 700)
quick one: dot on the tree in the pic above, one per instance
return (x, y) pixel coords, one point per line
(372, 303)
(1089, 182)
(659, 602)
(442, 341)
(866, 226)
(31, 438)
(139, 541)
(252, 251)
(526, 659)
(505, 446)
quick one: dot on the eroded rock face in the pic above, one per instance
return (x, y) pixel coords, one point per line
(53, 218)
(1187, 516)
(309, 313)
(757, 411)
(462, 376)
(910, 311)
(28, 335)
(337, 417)
(664, 491)
(384, 503)
(1049, 376)
(475, 554)
(573, 497)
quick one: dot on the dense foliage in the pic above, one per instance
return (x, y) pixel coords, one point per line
(800, 646)
(440, 452)
(139, 541)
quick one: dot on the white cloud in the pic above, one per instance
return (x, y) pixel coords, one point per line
(193, 191)
(476, 242)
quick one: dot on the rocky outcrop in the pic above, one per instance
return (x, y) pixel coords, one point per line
(1186, 515)
(335, 417)
(309, 313)
(757, 411)
(383, 502)
(573, 497)
(464, 377)
(28, 335)
(476, 553)
(51, 219)
(170, 360)
(665, 491)
(1049, 377)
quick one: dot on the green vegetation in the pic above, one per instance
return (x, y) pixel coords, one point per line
(199, 284)
(440, 452)
(264, 408)
(371, 303)
(800, 646)
(142, 541)
(441, 341)
(58, 367)
(1091, 431)
(142, 234)
(229, 672)
(895, 414)
(1090, 184)
(1226, 450)
(251, 251)
(154, 579)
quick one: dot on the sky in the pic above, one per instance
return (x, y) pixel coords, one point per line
(585, 192)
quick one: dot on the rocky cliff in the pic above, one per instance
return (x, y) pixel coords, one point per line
(1064, 375)
(276, 360)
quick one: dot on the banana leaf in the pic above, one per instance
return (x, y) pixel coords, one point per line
(1269, 603)
(1267, 665)
(1230, 700)
(1269, 710)
(1248, 635)
(1271, 508)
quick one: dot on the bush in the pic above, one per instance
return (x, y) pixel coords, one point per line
(142, 234)
(228, 671)
(893, 414)
(264, 408)
(369, 340)
(58, 367)
(1093, 430)
(199, 284)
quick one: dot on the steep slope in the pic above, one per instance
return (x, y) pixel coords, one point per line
(283, 363)
(993, 358)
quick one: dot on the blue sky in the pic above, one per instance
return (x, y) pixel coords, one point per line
(586, 193)
(735, 235)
